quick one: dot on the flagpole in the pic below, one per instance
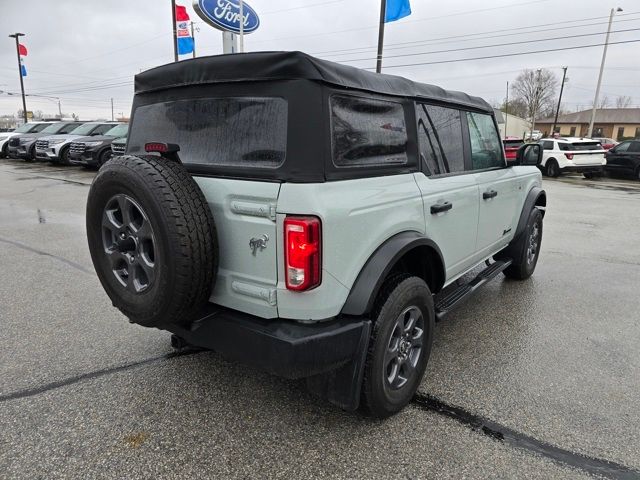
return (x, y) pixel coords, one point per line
(173, 29)
(193, 39)
(24, 101)
(383, 11)
(241, 26)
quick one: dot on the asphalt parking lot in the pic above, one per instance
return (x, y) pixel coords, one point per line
(539, 379)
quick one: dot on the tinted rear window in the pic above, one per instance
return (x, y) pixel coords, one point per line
(579, 146)
(367, 131)
(512, 143)
(232, 131)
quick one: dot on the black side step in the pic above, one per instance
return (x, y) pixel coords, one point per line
(460, 294)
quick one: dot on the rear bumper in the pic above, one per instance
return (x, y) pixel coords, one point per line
(583, 168)
(330, 354)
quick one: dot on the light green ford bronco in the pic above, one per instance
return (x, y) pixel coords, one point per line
(309, 218)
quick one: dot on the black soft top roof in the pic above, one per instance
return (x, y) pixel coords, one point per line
(264, 66)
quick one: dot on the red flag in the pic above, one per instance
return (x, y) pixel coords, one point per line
(23, 50)
(181, 14)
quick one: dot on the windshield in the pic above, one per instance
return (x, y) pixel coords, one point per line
(580, 146)
(118, 131)
(84, 129)
(53, 128)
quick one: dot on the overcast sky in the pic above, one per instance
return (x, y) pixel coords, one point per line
(85, 52)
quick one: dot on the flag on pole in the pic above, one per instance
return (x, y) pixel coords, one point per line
(185, 41)
(397, 9)
(22, 50)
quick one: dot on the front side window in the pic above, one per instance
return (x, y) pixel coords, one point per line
(622, 147)
(84, 129)
(68, 128)
(486, 148)
(440, 137)
(227, 131)
(367, 131)
(102, 129)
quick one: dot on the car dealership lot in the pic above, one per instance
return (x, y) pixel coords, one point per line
(550, 362)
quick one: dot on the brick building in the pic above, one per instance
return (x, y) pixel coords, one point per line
(616, 123)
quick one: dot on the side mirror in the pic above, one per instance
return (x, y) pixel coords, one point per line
(529, 154)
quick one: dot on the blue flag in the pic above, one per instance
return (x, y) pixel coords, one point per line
(185, 45)
(397, 9)
(24, 70)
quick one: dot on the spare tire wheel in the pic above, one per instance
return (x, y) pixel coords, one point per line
(152, 240)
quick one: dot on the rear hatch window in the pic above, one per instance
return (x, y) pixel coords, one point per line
(230, 131)
(512, 143)
(579, 146)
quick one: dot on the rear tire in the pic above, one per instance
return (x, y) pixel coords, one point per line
(152, 240)
(552, 169)
(526, 251)
(399, 347)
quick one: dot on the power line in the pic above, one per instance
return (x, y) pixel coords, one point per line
(515, 31)
(522, 42)
(506, 54)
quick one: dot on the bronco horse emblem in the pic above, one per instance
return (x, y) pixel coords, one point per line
(258, 243)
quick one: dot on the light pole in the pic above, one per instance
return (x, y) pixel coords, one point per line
(536, 99)
(555, 120)
(24, 101)
(604, 57)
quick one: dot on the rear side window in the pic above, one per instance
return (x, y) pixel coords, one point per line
(581, 146)
(440, 136)
(231, 131)
(69, 127)
(486, 148)
(635, 147)
(366, 131)
(548, 145)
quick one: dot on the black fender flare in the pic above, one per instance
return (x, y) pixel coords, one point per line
(365, 288)
(535, 196)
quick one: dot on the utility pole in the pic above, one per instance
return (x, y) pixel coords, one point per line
(604, 57)
(506, 111)
(24, 101)
(60, 109)
(241, 26)
(383, 12)
(193, 39)
(173, 29)
(555, 120)
(112, 109)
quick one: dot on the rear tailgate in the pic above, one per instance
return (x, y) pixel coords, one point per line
(585, 153)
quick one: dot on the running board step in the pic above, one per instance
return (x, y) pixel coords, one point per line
(463, 292)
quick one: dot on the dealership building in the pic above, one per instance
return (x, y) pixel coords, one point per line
(616, 123)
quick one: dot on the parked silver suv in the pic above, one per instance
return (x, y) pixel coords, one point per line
(309, 218)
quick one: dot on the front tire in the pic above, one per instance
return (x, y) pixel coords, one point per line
(64, 156)
(399, 347)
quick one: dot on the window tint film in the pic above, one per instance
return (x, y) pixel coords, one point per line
(366, 131)
(233, 131)
(548, 145)
(486, 148)
(440, 137)
(622, 147)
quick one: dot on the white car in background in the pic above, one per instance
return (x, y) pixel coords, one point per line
(570, 154)
(31, 127)
(535, 135)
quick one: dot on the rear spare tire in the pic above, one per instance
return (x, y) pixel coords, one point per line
(152, 240)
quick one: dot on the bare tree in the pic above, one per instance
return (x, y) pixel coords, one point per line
(515, 107)
(536, 90)
(604, 102)
(623, 101)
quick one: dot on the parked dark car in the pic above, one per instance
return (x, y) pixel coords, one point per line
(24, 146)
(624, 159)
(511, 146)
(93, 152)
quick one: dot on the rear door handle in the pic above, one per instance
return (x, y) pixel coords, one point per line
(489, 194)
(441, 207)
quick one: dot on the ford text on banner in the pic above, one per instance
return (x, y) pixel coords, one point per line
(184, 39)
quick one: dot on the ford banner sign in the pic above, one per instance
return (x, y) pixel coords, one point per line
(225, 15)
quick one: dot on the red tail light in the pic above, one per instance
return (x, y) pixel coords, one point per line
(302, 252)
(569, 156)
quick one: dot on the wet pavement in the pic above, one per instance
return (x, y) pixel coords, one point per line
(534, 379)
